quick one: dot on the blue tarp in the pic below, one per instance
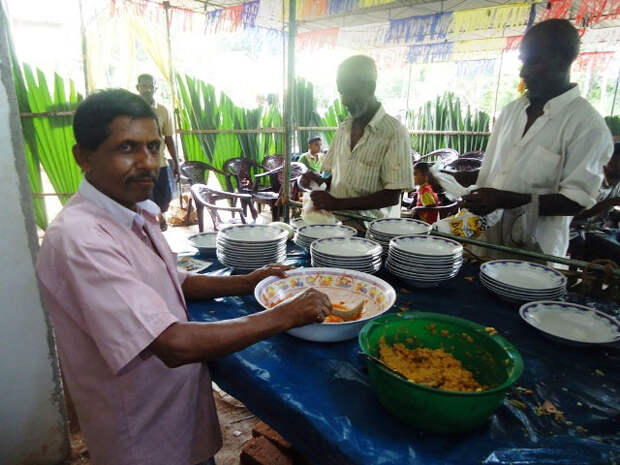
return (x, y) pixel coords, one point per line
(319, 398)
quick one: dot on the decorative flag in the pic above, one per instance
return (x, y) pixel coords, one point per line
(556, 9)
(496, 17)
(472, 68)
(513, 43)
(232, 18)
(419, 28)
(341, 6)
(363, 37)
(591, 12)
(430, 53)
(314, 40)
(469, 48)
(589, 61)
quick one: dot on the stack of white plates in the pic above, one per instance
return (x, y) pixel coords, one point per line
(519, 281)
(306, 235)
(352, 253)
(424, 261)
(247, 247)
(386, 229)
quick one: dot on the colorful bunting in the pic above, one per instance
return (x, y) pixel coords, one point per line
(474, 68)
(556, 9)
(513, 43)
(430, 53)
(419, 28)
(232, 18)
(470, 48)
(497, 17)
(589, 61)
(591, 12)
(362, 37)
(314, 40)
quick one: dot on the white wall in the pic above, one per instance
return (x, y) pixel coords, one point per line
(33, 426)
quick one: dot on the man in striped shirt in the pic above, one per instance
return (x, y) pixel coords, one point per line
(368, 162)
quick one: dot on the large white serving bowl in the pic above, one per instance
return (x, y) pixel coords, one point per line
(340, 285)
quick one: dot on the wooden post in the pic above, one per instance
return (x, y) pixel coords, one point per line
(289, 126)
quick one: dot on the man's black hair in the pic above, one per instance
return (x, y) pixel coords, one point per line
(146, 76)
(559, 37)
(94, 115)
(314, 139)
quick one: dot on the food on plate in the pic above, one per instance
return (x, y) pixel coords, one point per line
(430, 367)
(341, 312)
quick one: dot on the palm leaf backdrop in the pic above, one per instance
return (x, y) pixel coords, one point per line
(305, 110)
(446, 113)
(226, 145)
(272, 143)
(251, 146)
(54, 134)
(336, 114)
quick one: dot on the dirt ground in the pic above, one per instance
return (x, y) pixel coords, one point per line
(236, 422)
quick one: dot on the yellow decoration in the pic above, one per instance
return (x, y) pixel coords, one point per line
(483, 46)
(496, 17)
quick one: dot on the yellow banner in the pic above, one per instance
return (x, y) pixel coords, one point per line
(481, 46)
(496, 17)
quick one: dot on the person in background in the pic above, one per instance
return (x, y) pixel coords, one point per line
(368, 163)
(595, 232)
(545, 157)
(427, 188)
(132, 361)
(312, 158)
(162, 193)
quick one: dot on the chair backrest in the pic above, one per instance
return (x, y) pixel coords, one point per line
(446, 155)
(205, 197)
(194, 171)
(271, 162)
(479, 154)
(465, 164)
(242, 170)
(415, 156)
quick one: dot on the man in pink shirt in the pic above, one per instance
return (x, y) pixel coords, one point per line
(132, 361)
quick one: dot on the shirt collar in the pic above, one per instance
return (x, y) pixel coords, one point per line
(374, 121)
(122, 214)
(557, 103)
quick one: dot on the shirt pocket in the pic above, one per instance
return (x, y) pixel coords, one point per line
(541, 171)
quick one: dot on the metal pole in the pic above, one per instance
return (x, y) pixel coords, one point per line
(499, 80)
(84, 48)
(613, 102)
(289, 127)
(166, 5)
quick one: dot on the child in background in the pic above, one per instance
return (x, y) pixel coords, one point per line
(426, 191)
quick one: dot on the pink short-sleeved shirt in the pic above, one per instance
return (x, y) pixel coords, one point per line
(109, 295)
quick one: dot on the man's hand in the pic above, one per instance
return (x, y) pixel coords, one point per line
(176, 173)
(486, 200)
(323, 200)
(309, 306)
(308, 177)
(257, 276)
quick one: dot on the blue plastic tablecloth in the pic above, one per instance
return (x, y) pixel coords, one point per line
(319, 398)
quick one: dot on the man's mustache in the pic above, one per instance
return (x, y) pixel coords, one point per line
(147, 175)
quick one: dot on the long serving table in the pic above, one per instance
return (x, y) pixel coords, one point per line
(319, 398)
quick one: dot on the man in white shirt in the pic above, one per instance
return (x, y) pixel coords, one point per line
(544, 160)
(368, 162)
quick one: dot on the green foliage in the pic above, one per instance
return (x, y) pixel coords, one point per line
(305, 110)
(447, 114)
(272, 143)
(613, 123)
(336, 114)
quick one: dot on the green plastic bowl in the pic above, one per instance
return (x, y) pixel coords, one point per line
(493, 361)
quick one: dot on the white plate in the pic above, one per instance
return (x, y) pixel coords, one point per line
(523, 275)
(320, 231)
(350, 247)
(570, 322)
(515, 290)
(522, 297)
(205, 240)
(340, 285)
(392, 227)
(253, 233)
(432, 246)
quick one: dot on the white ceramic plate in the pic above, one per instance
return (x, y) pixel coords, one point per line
(426, 245)
(253, 233)
(523, 275)
(571, 323)
(346, 247)
(339, 285)
(205, 240)
(522, 297)
(515, 290)
(320, 231)
(392, 227)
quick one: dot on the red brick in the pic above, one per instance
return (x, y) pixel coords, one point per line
(263, 429)
(261, 451)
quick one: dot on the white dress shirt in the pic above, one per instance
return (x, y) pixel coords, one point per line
(380, 160)
(563, 152)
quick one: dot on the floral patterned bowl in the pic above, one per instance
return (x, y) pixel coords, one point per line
(341, 286)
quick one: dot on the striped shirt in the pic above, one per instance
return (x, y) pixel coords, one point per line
(380, 160)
